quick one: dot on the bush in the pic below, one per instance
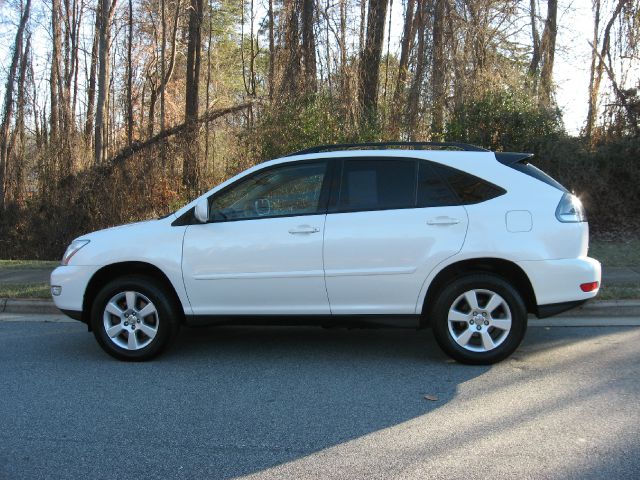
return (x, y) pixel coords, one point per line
(607, 179)
(290, 126)
(504, 121)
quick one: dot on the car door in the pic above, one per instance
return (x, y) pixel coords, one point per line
(391, 222)
(261, 252)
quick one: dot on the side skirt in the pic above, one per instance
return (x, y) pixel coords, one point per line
(327, 321)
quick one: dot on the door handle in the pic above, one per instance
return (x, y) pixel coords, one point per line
(303, 229)
(443, 221)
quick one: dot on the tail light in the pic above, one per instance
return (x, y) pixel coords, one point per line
(589, 287)
(570, 209)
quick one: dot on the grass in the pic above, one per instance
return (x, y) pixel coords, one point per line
(619, 292)
(616, 253)
(27, 264)
(24, 290)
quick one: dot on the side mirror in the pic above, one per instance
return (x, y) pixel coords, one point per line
(201, 212)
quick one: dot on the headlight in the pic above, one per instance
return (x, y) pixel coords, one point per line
(570, 209)
(72, 250)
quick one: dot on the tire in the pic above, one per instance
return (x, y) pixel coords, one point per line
(483, 335)
(134, 318)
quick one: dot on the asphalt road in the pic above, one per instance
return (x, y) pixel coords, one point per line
(311, 403)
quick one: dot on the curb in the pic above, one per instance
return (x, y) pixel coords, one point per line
(606, 308)
(19, 305)
(602, 308)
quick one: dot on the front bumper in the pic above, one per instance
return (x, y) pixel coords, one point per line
(74, 280)
(556, 283)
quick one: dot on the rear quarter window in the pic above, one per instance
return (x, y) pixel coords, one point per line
(468, 188)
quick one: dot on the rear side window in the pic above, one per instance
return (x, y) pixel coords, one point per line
(377, 184)
(469, 188)
(433, 191)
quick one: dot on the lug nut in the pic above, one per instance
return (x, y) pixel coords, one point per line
(126, 324)
(126, 315)
(484, 314)
(138, 321)
(486, 322)
(479, 327)
(471, 322)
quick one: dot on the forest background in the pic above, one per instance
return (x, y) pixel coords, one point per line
(120, 110)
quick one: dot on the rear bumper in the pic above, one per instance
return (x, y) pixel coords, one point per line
(556, 283)
(552, 309)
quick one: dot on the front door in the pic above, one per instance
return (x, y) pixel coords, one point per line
(261, 252)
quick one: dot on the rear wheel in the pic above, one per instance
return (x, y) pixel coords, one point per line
(133, 318)
(479, 319)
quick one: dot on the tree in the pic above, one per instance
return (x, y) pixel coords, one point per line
(438, 72)
(597, 63)
(106, 10)
(191, 147)
(19, 57)
(370, 57)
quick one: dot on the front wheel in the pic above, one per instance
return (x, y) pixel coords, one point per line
(133, 318)
(479, 319)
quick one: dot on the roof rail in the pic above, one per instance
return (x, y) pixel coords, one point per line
(346, 146)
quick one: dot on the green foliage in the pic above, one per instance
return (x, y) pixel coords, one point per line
(290, 126)
(504, 121)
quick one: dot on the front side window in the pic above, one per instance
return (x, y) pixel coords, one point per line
(377, 184)
(276, 192)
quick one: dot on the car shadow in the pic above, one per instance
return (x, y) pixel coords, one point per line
(275, 394)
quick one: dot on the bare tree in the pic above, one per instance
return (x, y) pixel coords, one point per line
(438, 76)
(548, 49)
(370, 62)
(406, 45)
(308, 45)
(191, 147)
(598, 63)
(107, 8)
(9, 100)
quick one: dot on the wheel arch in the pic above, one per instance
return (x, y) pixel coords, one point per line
(506, 269)
(115, 270)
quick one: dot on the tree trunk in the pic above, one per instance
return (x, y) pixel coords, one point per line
(438, 77)
(548, 50)
(91, 89)
(130, 76)
(8, 102)
(106, 14)
(406, 45)
(370, 63)
(272, 51)
(55, 70)
(309, 46)
(595, 81)
(534, 65)
(413, 99)
(593, 94)
(191, 147)
(290, 82)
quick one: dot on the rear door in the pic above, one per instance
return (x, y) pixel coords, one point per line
(390, 222)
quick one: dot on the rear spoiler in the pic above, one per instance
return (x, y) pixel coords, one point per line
(509, 158)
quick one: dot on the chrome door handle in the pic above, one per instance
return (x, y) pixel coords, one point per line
(303, 229)
(443, 221)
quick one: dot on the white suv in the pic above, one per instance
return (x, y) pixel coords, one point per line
(467, 242)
